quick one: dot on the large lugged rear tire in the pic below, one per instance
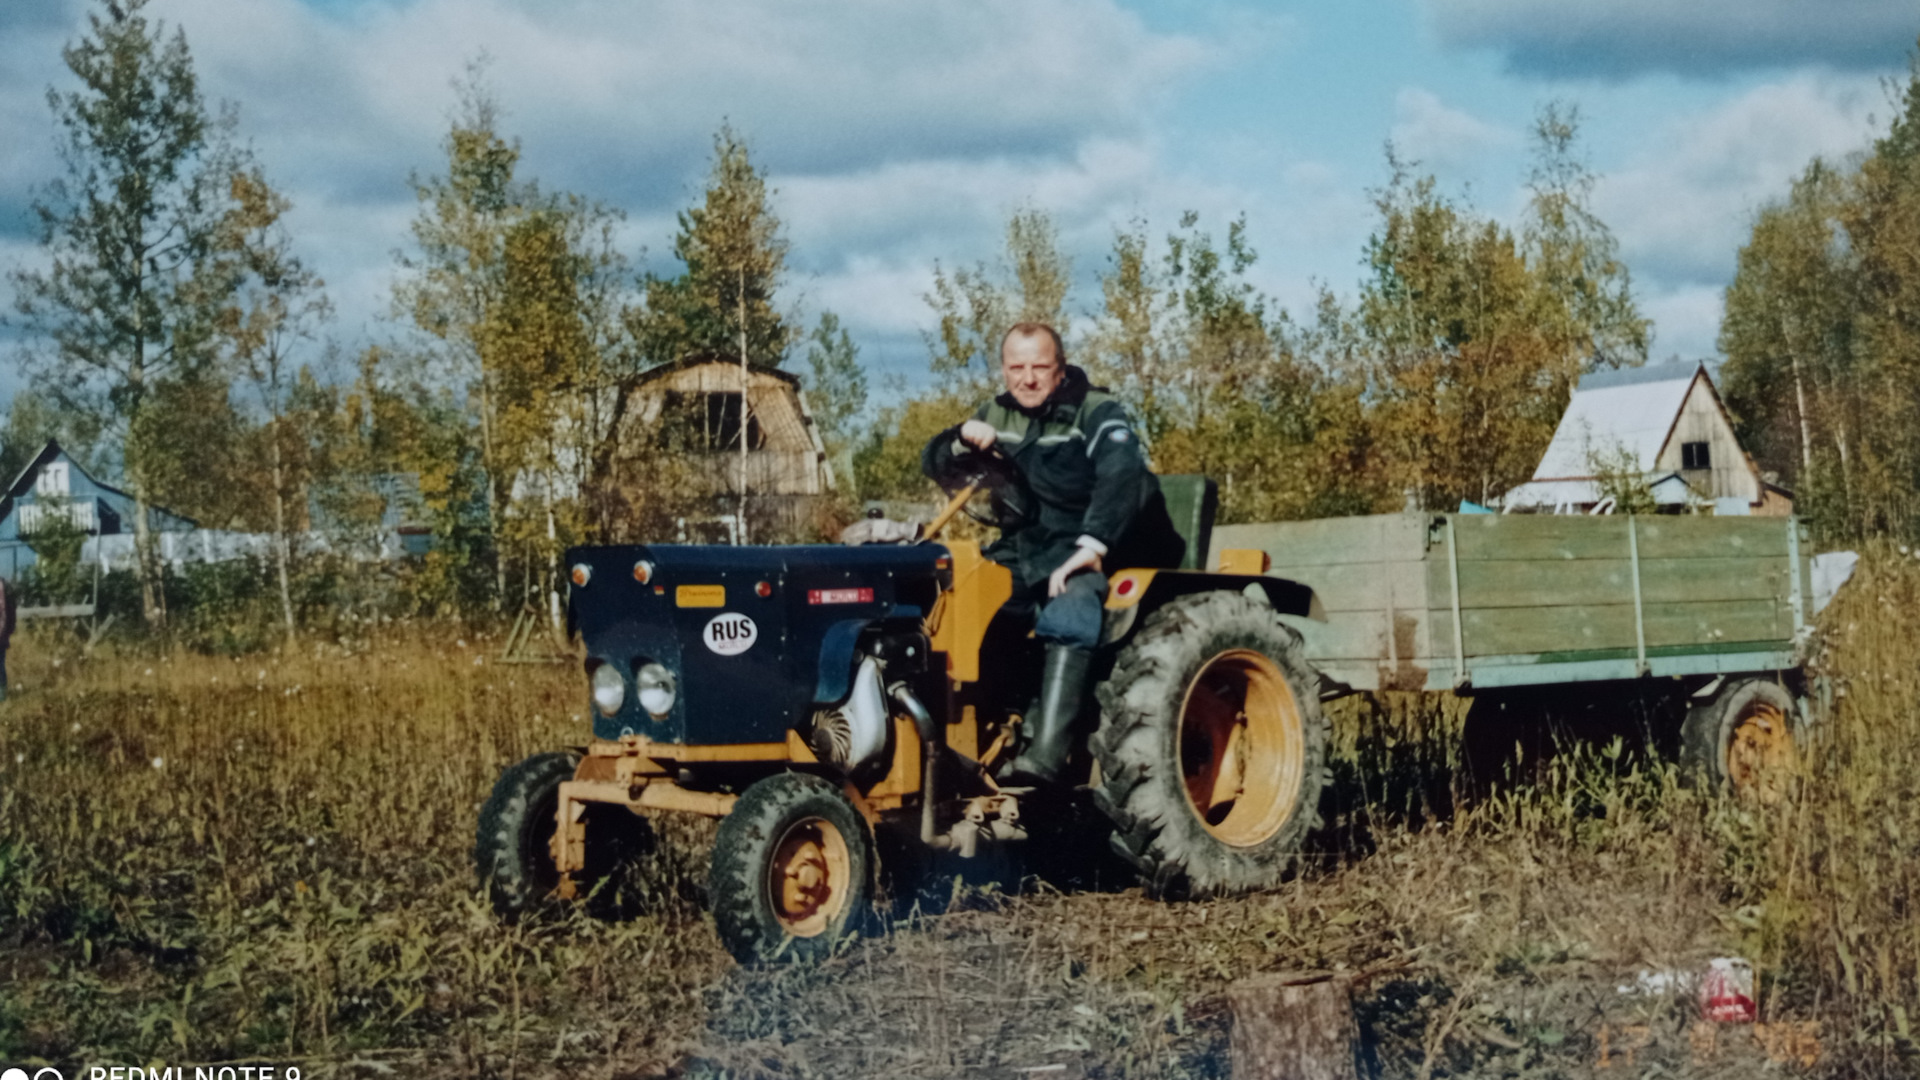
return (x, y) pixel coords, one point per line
(792, 870)
(1212, 746)
(512, 847)
(1747, 739)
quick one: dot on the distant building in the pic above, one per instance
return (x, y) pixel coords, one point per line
(54, 488)
(391, 512)
(694, 410)
(1664, 423)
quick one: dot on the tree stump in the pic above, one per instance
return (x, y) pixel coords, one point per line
(1293, 1027)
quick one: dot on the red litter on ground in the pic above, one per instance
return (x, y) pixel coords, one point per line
(1726, 991)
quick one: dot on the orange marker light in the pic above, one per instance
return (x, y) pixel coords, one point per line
(643, 571)
(582, 573)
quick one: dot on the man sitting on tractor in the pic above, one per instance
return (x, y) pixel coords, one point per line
(1079, 487)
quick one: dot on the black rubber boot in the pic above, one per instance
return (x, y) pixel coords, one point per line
(1062, 689)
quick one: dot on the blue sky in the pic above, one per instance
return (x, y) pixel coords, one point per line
(899, 133)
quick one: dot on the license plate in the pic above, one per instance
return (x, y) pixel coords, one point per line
(839, 596)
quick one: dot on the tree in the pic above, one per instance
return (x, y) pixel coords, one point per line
(1475, 336)
(723, 303)
(837, 386)
(976, 305)
(455, 280)
(1585, 291)
(273, 303)
(735, 258)
(1224, 383)
(121, 304)
(1789, 336)
(1823, 340)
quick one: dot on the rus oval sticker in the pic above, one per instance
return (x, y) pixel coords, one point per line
(730, 634)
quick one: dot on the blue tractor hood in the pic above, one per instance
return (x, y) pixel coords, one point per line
(748, 633)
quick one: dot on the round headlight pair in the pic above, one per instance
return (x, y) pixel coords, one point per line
(656, 685)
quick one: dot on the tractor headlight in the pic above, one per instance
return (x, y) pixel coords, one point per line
(609, 689)
(656, 689)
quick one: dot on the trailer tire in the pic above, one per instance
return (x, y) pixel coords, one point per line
(511, 848)
(1746, 739)
(792, 870)
(1212, 747)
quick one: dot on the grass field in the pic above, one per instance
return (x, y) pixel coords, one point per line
(266, 859)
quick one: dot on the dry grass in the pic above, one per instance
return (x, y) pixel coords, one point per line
(206, 860)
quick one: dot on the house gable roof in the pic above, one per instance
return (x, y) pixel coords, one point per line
(24, 481)
(1633, 409)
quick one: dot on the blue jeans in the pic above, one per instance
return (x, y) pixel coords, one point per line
(1074, 617)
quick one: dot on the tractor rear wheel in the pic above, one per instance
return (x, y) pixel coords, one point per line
(1212, 746)
(1746, 739)
(792, 870)
(512, 847)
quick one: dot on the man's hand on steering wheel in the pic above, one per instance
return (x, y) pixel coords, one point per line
(978, 434)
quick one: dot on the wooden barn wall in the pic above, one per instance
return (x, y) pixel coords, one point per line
(1702, 420)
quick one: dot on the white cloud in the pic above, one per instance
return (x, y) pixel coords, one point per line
(895, 132)
(1443, 139)
(1683, 204)
(1686, 320)
(1695, 37)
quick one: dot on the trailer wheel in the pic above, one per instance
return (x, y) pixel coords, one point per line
(1212, 746)
(511, 847)
(792, 870)
(1747, 739)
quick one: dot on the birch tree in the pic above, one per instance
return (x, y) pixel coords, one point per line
(119, 304)
(274, 305)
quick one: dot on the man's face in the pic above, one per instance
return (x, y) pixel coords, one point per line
(1031, 368)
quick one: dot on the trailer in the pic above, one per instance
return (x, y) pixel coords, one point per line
(1713, 611)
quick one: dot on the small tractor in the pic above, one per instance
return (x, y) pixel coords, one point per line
(815, 697)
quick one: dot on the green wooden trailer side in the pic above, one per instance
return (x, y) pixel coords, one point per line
(1481, 602)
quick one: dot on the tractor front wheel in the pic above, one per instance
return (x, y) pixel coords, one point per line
(1212, 746)
(512, 848)
(792, 870)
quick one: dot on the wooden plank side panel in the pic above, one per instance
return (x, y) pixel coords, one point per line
(1377, 538)
(1507, 631)
(1495, 537)
(1359, 586)
(1663, 537)
(1559, 582)
(1506, 537)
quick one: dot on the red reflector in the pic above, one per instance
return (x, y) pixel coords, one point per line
(1125, 588)
(839, 596)
(763, 590)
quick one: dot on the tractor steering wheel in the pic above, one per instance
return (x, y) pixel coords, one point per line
(969, 473)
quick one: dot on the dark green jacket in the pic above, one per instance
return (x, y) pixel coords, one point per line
(1081, 473)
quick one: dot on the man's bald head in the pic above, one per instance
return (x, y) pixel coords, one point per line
(1033, 362)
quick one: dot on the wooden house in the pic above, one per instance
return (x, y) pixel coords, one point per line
(693, 414)
(54, 488)
(1665, 423)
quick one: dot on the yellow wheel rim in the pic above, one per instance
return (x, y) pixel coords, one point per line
(1242, 747)
(1761, 754)
(808, 879)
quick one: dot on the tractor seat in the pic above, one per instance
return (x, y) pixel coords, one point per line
(1192, 501)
